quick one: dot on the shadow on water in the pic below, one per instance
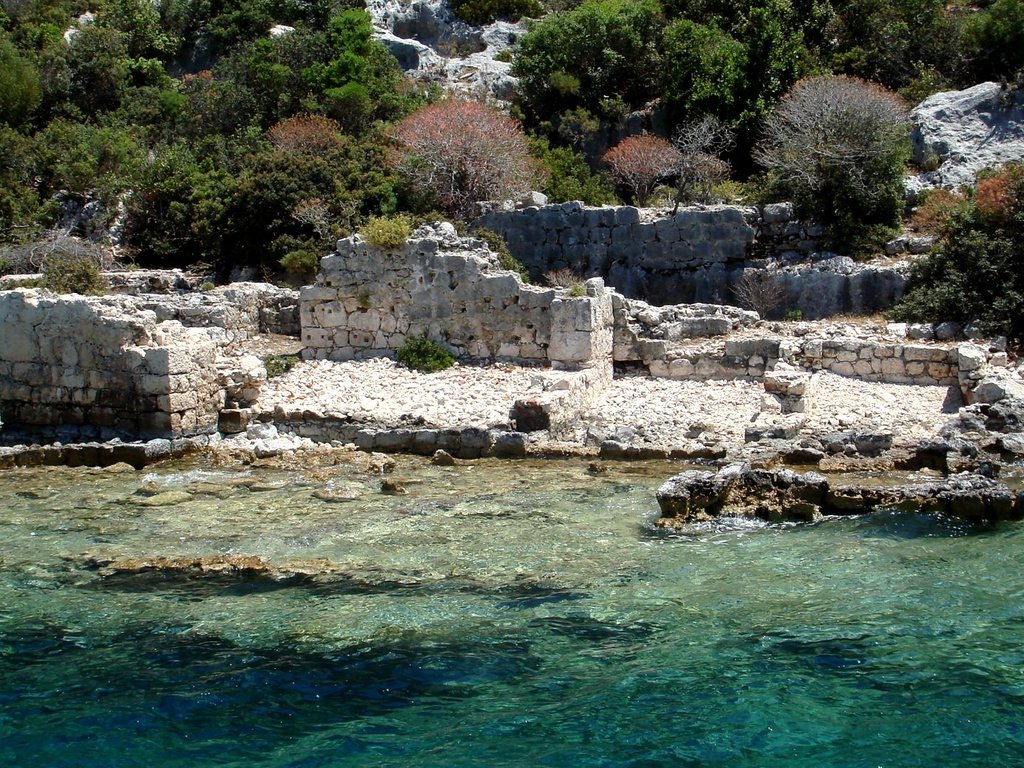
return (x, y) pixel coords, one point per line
(206, 690)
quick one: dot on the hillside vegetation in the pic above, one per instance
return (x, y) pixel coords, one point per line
(197, 135)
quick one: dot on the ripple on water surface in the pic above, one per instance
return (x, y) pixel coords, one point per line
(514, 614)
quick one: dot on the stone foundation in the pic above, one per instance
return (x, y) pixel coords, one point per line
(129, 367)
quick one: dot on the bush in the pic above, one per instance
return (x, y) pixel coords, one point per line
(73, 273)
(462, 152)
(505, 258)
(422, 354)
(300, 262)
(278, 365)
(640, 162)
(838, 147)
(570, 178)
(977, 274)
(387, 232)
(935, 211)
(486, 11)
(608, 47)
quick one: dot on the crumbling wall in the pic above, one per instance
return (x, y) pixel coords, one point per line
(369, 301)
(103, 367)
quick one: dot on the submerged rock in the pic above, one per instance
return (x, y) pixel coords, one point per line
(781, 494)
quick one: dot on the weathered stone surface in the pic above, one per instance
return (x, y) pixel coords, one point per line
(967, 131)
(778, 495)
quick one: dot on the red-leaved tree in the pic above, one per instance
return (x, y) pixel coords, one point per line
(640, 162)
(310, 133)
(462, 152)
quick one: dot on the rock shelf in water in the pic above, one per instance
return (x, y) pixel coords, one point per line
(782, 494)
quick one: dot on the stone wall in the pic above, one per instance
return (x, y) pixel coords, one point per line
(697, 255)
(103, 367)
(368, 301)
(753, 357)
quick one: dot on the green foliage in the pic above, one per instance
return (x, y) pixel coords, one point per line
(387, 232)
(610, 47)
(87, 160)
(888, 41)
(300, 262)
(277, 365)
(73, 273)
(997, 35)
(505, 258)
(19, 85)
(570, 178)
(19, 202)
(977, 274)
(422, 354)
(705, 70)
(486, 11)
(838, 148)
(576, 290)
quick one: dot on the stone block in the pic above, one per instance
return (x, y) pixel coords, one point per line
(971, 357)
(775, 213)
(626, 215)
(914, 352)
(330, 314)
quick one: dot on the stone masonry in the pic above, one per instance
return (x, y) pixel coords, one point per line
(369, 301)
(697, 255)
(131, 367)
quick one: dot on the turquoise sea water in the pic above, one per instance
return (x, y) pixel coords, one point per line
(499, 614)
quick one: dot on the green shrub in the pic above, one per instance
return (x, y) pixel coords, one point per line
(569, 177)
(838, 148)
(73, 273)
(505, 258)
(977, 274)
(486, 11)
(387, 232)
(604, 49)
(300, 262)
(422, 354)
(277, 365)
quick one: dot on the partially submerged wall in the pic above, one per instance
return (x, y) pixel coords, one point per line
(697, 255)
(145, 366)
(103, 367)
(369, 301)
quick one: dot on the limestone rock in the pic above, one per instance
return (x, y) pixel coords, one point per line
(781, 494)
(967, 131)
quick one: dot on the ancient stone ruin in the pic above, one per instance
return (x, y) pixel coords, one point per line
(135, 367)
(697, 255)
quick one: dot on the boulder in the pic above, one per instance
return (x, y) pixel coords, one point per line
(967, 131)
(781, 494)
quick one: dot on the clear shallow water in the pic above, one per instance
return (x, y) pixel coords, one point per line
(500, 614)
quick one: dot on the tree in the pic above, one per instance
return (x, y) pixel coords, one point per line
(704, 72)
(761, 290)
(19, 86)
(462, 152)
(977, 272)
(998, 36)
(640, 162)
(315, 134)
(838, 147)
(598, 56)
(700, 143)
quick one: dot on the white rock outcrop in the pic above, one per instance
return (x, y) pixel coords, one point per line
(433, 44)
(967, 131)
